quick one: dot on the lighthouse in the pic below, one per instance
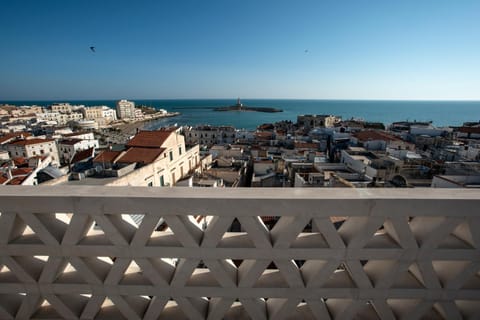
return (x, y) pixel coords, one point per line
(239, 104)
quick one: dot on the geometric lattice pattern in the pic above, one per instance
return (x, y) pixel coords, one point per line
(138, 253)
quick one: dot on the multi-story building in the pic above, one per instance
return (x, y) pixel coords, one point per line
(152, 158)
(125, 109)
(309, 121)
(59, 118)
(380, 140)
(68, 148)
(62, 108)
(25, 110)
(109, 113)
(101, 114)
(34, 147)
(209, 135)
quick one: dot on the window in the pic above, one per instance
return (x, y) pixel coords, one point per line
(150, 184)
(180, 150)
(171, 155)
(162, 181)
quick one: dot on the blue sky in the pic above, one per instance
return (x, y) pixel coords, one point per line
(356, 49)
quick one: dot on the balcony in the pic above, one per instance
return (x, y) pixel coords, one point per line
(172, 253)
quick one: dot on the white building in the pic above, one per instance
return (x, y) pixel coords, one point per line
(153, 158)
(59, 118)
(125, 109)
(34, 147)
(209, 135)
(310, 121)
(109, 113)
(244, 136)
(103, 115)
(62, 108)
(68, 148)
(456, 181)
(469, 152)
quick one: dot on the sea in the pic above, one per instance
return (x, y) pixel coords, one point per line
(201, 111)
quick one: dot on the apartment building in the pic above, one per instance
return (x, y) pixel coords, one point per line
(152, 158)
(103, 115)
(125, 109)
(34, 147)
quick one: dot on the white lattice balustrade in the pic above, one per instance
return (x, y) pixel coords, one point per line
(161, 253)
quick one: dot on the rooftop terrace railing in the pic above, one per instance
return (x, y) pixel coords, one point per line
(173, 253)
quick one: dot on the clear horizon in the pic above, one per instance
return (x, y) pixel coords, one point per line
(321, 50)
(66, 100)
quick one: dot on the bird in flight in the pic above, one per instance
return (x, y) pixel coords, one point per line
(93, 49)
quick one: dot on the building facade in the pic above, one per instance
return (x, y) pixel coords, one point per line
(310, 121)
(160, 158)
(34, 147)
(103, 115)
(125, 109)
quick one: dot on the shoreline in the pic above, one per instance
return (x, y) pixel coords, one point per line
(132, 126)
(121, 131)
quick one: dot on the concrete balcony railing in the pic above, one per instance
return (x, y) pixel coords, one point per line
(124, 252)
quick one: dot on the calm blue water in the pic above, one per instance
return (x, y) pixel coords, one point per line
(194, 112)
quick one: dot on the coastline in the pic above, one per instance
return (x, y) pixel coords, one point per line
(133, 125)
(121, 131)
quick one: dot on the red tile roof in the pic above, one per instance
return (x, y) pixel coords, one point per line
(19, 175)
(264, 134)
(150, 139)
(21, 171)
(375, 135)
(107, 156)
(17, 180)
(13, 135)
(306, 145)
(31, 141)
(141, 155)
(19, 161)
(82, 155)
(469, 129)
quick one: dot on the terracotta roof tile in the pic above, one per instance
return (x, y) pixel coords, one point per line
(19, 161)
(150, 139)
(141, 155)
(21, 171)
(31, 141)
(82, 155)
(264, 134)
(307, 145)
(17, 180)
(469, 129)
(375, 135)
(13, 135)
(107, 156)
